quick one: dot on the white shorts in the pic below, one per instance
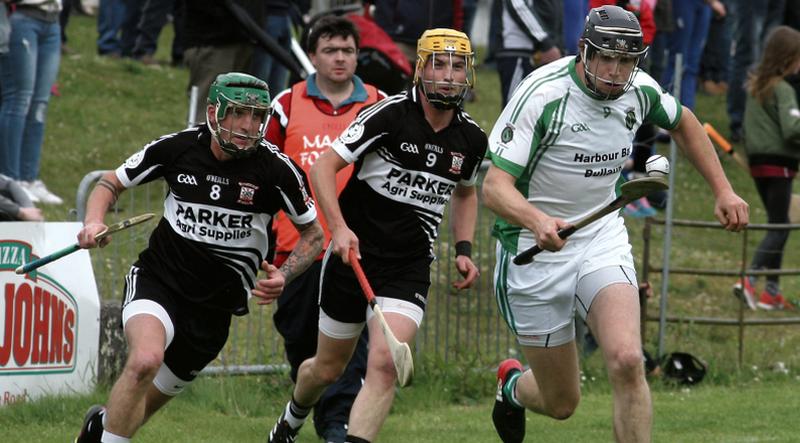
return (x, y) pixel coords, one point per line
(342, 331)
(538, 301)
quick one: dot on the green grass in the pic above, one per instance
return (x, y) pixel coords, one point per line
(437, 408)
(111, 108)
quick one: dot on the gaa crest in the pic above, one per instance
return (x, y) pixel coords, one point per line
(457, 161)
(507, 134)
(630, 118)
(247, 192)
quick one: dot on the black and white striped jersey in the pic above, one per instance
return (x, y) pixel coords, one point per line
(405, 174)
(209, 245)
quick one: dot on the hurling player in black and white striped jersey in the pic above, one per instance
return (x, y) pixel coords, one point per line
(225, 186)
(413, 154)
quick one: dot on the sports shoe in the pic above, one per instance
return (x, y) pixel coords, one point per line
(26, 187)
(92, 428)
(640, 209)
(40, 190)
(509, 420)
(744, 291)
(770, 302)
(282, 432)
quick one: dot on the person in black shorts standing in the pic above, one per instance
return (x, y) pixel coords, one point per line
(225, 186)
(412, 154)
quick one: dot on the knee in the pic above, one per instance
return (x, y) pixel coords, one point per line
(18, 100)
(144, 365)
(327, 374)
(38, 111)
(626, 365)
(564, 407)
(563, 412)
(381, 367)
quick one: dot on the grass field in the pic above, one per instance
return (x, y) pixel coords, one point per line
(110, 108)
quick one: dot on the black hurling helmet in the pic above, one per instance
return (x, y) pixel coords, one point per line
(615, 32)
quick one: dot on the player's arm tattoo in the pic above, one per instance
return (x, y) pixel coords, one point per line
(108, 184)
(305, 251)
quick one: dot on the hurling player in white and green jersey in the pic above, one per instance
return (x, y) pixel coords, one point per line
(557, 151)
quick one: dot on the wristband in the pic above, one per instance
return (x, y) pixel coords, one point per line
(464, 248)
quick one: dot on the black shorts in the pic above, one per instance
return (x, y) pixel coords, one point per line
(199, 332)
(342, 299)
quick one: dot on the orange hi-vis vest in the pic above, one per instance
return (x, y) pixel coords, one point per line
(309, 133)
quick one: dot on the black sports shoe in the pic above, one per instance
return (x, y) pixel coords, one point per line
(282, 432)
(92, 428)
(509, 420)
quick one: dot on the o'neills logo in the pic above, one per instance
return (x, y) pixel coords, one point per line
(38, 318)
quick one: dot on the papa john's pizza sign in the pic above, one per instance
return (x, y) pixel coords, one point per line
(49, 318)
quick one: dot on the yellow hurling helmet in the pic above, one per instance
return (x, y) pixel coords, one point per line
(453, 44)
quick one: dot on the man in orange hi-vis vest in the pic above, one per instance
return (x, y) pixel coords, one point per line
(306, 118)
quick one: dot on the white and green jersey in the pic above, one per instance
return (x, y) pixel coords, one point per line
(567, 148)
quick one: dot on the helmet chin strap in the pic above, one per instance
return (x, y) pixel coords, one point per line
(230, 147)
(592, 79)
(441, 101)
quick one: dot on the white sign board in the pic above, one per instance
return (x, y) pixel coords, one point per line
(49, 318)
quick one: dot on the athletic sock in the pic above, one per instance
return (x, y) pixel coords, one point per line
(510, 392)
(295, 414)
(354, 439)
(108, 437)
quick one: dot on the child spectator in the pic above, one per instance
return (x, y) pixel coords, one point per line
(772, 142)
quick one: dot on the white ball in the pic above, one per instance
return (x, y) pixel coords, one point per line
(657, 166)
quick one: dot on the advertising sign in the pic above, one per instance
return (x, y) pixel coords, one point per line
(49, 318)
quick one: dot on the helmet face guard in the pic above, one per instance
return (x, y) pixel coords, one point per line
(452, 48)
(243, 97)
(611, 33)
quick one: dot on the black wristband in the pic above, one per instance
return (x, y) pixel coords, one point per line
(464, 248)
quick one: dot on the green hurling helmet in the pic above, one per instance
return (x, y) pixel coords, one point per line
(238, 93)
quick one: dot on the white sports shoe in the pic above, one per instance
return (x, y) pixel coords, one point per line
(27, 187)
(38, 189)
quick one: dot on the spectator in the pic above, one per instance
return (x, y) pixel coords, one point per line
(495, 32)
(305, 120)
(714, 64)
(574, 14)
(154, 14)
(470, 9)
(277, 24)
(63, 20)
(665, 24)
(216, 43)
(15, 204)
(791, 16)
(529, 28)
(772, 142)
(27, 72)
(405, 20)
(751, 21)
(5, 29)
(116, 27)
(692, 18)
